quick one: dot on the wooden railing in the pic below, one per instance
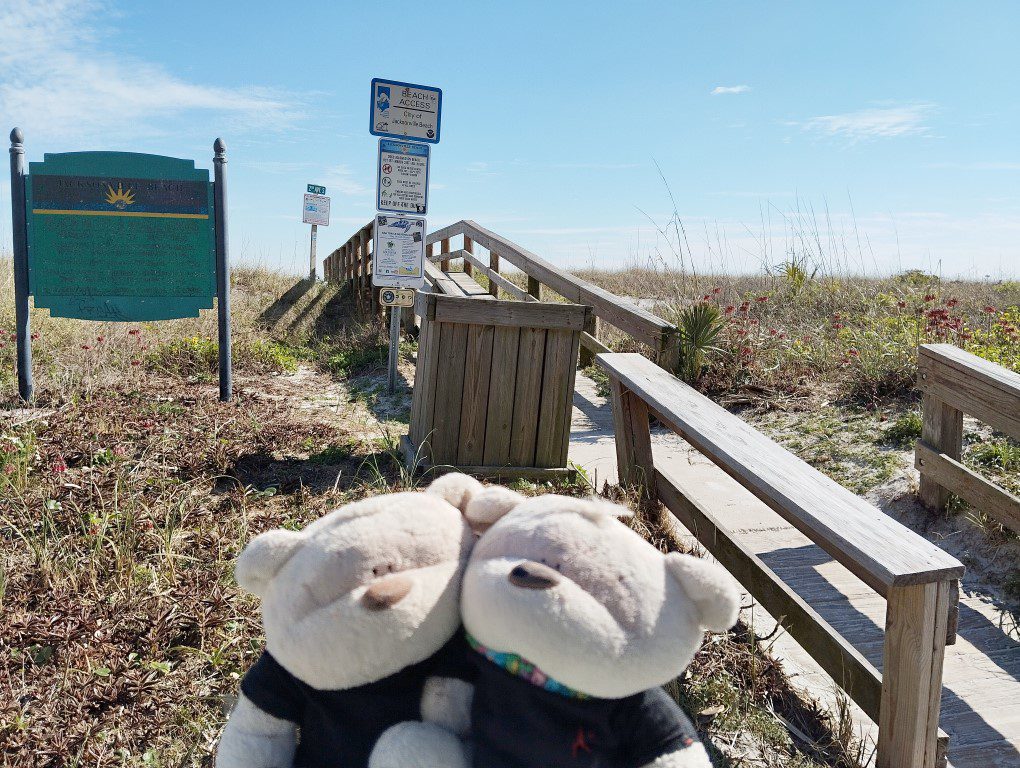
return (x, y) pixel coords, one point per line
(954, 382)
(919, 581)
(352, 262)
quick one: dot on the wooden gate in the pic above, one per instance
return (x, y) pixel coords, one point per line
(494, 385)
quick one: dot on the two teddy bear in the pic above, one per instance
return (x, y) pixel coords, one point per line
(572, 622)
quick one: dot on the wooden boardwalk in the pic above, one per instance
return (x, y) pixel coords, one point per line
(981, 686)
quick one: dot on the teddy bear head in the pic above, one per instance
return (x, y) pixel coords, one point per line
(366, 590)
(565, 585)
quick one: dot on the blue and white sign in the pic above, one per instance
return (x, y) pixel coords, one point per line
(405, 110)
(402, 177)
(315, 210)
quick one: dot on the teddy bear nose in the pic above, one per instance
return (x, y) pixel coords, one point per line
(386, 593)
(532, 575)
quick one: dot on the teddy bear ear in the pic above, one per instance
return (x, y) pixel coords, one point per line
(457, 488)
(264, 556)
(489, 506)
(710, 587)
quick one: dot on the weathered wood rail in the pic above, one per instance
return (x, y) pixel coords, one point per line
(351, 263)
(919, 581)
(953, 383)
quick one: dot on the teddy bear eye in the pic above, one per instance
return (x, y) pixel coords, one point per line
(557, 567)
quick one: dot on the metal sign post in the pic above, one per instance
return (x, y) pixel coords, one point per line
(311, 252)
(18, 220)
(222, 268)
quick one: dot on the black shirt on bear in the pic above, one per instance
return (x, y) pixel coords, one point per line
(339, 728)
(516, 724)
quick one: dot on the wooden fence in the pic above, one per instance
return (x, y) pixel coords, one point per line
(351, 263)
(919, 581)
(954, 382)
(493, 385)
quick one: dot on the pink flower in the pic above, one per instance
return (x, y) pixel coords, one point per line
(58, 466)
(34, 336)
(729, 309)
(86, 347)
(901, 304)
(838, 326)
(136, 362)
(989, 310)
(853, 353)
(717, 291)
(929, 297)
(952, 303)
(762, 299)
(134, 332)
(100, 339)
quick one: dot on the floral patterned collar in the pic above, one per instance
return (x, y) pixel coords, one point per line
(523, 668)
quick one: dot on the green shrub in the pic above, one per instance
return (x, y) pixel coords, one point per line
(700, 326)
(905, 430)
(189, 356)
(352, 360)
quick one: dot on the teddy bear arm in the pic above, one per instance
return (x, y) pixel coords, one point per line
(446, 701)
(693, 756)
(255, 739)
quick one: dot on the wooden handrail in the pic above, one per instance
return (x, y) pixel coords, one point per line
(637, 322)
(625, 315)
(919, 581)
(954, 382)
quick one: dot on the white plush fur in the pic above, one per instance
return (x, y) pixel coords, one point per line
(693, 756)
(621, 619)
(316, 624)
(320, 626)
(255, 739)
(419, 745)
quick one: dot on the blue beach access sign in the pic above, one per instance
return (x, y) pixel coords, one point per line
(405, 110)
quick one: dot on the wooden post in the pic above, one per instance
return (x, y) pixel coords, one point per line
(19, 219)
(915, 644)
(534, 288)
(222, 267)
(470, 248)
(494, 266)
(942, 429)
(587, 357)
(364, 279)
(633, 440)
(668, 354)
(444, 247)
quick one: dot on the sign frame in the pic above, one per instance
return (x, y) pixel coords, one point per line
(374, 108)
(320, 220)
(158, 175)
(415, 281)
(423, 209)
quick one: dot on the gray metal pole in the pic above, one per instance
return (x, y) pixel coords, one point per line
(394, 346)
(222, 268)
(26, 386)
(311, 253)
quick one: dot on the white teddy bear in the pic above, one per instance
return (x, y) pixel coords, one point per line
(361, 618)
(576, 622)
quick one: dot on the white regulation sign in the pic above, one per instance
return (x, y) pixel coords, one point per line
(316, 210)
(398, 256)
(402, 177)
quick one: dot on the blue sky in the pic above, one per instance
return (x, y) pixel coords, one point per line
(886, 132)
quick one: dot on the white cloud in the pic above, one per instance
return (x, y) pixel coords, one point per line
(722, 90)
(875, 123)
(58, 80)
(340, 180)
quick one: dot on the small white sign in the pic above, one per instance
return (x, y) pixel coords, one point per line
(396, 297)
(402, 177)
(316, 210)
(398, 252)
(405, 110)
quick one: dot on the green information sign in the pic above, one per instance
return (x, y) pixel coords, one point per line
(120, 236)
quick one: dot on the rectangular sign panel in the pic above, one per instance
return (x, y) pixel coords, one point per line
(316, 210)
(402, 177)
(120, 236)
(315, 189)
(405, 111)
(398, 256)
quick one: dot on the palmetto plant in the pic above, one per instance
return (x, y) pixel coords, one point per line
(700, 326)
